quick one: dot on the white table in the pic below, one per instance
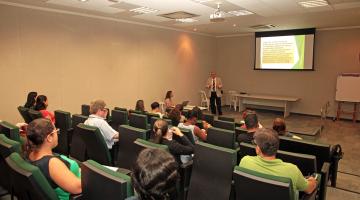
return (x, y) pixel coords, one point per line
(190, 107)
(266, 100)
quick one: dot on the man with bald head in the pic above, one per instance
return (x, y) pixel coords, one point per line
(214, 85)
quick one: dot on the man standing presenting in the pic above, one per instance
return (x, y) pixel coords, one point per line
(214, 85)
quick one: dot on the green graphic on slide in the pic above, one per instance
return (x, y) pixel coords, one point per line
(300, 44)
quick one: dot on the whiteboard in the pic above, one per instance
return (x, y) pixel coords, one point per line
(348, 88)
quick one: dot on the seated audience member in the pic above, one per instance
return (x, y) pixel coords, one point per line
(246, 112)
(41, 105)
(30, 101)
(154, 175)
(267, 144)
(62, 173)
(97, 118)
(155, 109)
(180, 107)
(175, 116)
(140, 106)
(190, 124)
(280, 127)
(251, 122)
(164, 135)
(168, 100)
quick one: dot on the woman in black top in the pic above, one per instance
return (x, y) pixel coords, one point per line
(164, 135)
(30, 101)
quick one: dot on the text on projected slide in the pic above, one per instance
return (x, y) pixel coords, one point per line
(282, 52)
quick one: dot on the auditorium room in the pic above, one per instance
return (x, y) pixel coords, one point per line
(180, 99)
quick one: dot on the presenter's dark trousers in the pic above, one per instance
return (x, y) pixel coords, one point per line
(214, 98)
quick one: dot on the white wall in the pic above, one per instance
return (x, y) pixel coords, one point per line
(74, 59)
(336, 51)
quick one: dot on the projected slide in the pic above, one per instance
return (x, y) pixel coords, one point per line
(283, 52)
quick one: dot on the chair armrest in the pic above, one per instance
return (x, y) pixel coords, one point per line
(324, 179)
(186, 165)
(75, 197)
(311, 196)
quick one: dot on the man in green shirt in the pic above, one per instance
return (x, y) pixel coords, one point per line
(267, 144)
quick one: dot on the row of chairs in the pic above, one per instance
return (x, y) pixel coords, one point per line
(27, 182)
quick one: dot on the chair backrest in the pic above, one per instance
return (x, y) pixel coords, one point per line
(257, 186)
(153, 120)
(203, 95)
(306, 163)
(99, 182)
(221, 137)
(128, 151)
(9, 130)
(7, 146)
(77, 148)
(27, 180)
(138, 121)
(224, 125)
(321, 151)
(119, 117)
(151, 115)
(212, 172)
(85, 109)
(228, 119)
(63, 122)
(34, 114)
(147, 144)
(119, 108)
(188, 134)
(96, 147)
(24, 112)
(209, 118)
(136, 111)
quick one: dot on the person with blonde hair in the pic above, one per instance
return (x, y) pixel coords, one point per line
(97, 117)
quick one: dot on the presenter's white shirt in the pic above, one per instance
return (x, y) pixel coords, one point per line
(106, 130)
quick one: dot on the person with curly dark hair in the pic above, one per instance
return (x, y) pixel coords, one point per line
(154, 175)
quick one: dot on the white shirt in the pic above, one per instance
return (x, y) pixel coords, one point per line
(105, 129)
(191, 128)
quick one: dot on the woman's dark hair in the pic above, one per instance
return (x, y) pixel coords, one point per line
(175, 116)
(279, 126)
(140, 106)
(30, 101)
(160, 129)
(154, 175)
(36, 132)
(196, 111)
(40, 102)
(168, 94)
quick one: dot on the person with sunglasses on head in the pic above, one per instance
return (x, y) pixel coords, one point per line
(62, 173)
(97, 118)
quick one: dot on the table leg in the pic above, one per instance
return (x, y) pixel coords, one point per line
(240, 104)
(286, 109)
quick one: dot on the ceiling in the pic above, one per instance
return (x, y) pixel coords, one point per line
(283, 14)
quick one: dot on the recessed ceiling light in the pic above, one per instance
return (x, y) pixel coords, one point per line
(202, 1)
(234, 25)
(195, 29)
(144, 10)
(83, 0)
(240, 12)
(186, 20)
(313, 3)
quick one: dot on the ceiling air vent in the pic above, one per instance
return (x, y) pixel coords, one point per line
(263, 26)
(179, 15)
